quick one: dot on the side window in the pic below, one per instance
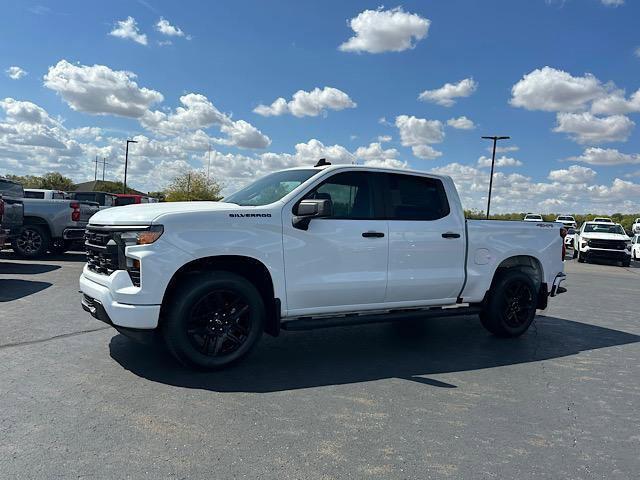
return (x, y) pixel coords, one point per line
(351, 194)
(416, 198)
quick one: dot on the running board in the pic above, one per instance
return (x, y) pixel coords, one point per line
(311, 323)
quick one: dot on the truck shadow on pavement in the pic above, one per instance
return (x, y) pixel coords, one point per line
(337, 356)
(14, 289)
(15, 268)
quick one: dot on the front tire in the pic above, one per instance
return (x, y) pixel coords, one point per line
(213, 320)
(581, 258)
(32, 241)
(511, 305)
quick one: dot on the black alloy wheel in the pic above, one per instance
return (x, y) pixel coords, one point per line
(32, 241)
(219, 323)
(213, 319)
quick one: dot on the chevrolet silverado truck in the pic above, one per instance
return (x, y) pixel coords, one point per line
(309, 248)
(600, 240)
(44, 225)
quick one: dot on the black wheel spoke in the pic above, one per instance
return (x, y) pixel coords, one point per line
(219, 323)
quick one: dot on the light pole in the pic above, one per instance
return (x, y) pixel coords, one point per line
(126, 162)
(493, 161)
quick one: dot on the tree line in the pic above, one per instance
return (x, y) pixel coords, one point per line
(188, 186)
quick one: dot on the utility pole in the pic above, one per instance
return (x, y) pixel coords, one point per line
(95, 175)
(493, 161)
(104, 163)
(126, 162)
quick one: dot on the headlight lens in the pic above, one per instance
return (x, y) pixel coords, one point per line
(142, 237)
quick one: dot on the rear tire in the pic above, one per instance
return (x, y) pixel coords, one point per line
(213, 320)
(32, 242)
(511, 305)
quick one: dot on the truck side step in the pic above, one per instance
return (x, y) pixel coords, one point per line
(311, 323)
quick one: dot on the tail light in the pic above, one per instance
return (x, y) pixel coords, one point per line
(563, 233)
(75, 215)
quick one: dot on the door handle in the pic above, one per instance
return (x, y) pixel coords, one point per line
(372, 234)
(450, 235)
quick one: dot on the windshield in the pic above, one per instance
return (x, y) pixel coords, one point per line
(271, 188)
(591, 227)
(568, 219)
(533, 217)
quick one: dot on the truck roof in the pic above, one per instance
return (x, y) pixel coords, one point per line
(343, 166)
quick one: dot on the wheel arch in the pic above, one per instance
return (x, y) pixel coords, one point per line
(33, 220)
(528, 264)
(251, 268)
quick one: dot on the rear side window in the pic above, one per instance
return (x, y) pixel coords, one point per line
(28, 194)
(11, 189)
(415, 198)
(351, 194)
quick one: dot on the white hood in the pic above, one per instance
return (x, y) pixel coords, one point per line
(145, 213)
(604, 236)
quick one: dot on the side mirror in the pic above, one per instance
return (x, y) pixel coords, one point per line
(311, 208)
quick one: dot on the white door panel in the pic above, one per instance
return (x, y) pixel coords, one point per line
(422, 264)
(332, 264)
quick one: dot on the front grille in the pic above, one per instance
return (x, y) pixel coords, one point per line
(105, 254)
(608, 244)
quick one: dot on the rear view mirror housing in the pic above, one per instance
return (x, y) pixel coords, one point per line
(311, 208)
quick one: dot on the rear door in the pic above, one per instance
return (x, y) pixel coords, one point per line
(339, 263)
(426, 240)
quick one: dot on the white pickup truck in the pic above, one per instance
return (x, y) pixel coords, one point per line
(308, 248)
(601, 240)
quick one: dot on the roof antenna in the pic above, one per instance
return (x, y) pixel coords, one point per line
(322, 163)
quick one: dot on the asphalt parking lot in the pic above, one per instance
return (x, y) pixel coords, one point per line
(433, 399)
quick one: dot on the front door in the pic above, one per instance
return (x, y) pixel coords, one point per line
(340, 262)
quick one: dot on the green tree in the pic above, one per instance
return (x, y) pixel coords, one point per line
(193, 185)
(49, 181)
(56, 181)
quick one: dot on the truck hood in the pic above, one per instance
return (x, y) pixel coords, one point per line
(146, 213)
(604, 236)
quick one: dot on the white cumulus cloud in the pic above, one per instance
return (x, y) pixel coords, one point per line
(164, 27)
(606, 156)
(15, 72)
(377, 31)
(308, 104)
(573, 174)
(554, 90)
(98, 90)
(504, 161)
(374, 155)
(587, 128)
(447, 94)
(128, 29)
(461, 123)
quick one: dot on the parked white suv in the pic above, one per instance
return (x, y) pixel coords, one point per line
(533, 217)
(635, 247)
(567, 220)
(309, 248)
(635, 228)
(602, 240)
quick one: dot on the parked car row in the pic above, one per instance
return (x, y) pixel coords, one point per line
(602, 240)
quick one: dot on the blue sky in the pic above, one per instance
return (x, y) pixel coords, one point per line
(227, 58)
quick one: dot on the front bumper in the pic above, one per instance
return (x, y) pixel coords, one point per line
(607, 254)
(124, 315)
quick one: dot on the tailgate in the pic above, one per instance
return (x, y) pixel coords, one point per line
(87, 210)
(13, 214)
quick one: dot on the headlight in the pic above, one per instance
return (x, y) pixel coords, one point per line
(628, 244)
(142, 237)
